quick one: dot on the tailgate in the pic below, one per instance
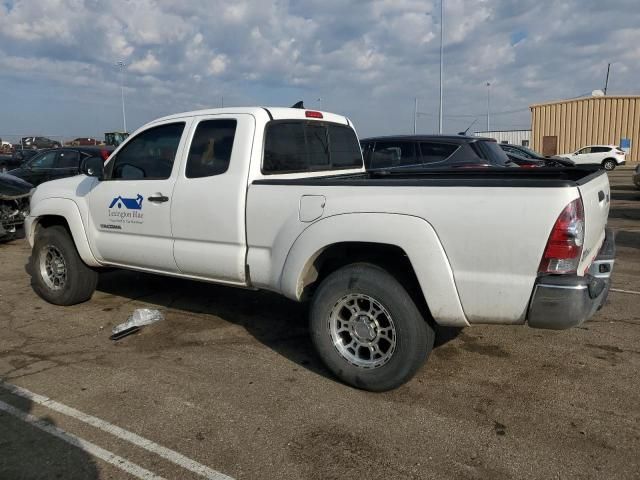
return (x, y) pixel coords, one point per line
(595, 199)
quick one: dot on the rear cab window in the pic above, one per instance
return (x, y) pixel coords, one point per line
(299, 146)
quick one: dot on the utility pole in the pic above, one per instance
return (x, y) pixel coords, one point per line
(222, 101)
(606, 82)
(441, 61)
(488, 106)
(415, 115)
(122, 66)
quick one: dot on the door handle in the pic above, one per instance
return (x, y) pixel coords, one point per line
(158, 199)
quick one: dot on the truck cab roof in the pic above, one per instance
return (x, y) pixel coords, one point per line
(271, 113)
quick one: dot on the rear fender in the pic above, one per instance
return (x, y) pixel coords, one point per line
(413, 235)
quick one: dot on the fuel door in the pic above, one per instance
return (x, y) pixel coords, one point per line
(311, 207)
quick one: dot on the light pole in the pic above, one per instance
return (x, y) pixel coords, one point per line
(441, 60)
(488, 106)
(120, 64)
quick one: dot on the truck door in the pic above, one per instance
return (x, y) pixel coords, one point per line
(130, 210)
(208, 211)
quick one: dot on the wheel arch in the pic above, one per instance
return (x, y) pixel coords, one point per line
(64, 212)
(404, 245)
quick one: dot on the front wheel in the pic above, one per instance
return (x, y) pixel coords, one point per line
(58, 274)
(609, 164)
(367, 329)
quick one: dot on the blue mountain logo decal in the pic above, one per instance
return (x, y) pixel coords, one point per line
(128, 203)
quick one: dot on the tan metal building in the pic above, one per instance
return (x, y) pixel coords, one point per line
(567, 125)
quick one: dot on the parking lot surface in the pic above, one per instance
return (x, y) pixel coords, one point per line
(229, 384)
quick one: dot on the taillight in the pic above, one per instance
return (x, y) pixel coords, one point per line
(564, 247)
(104, 154)
(312, 114)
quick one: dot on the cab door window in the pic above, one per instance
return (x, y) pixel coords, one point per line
(210, 151)
(148, 156)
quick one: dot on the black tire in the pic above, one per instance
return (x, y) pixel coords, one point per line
(414, 337)
(609, 164)
(80, 281)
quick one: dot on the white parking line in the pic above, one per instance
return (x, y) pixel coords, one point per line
(166, 453)
(96, 451)
(631, 292)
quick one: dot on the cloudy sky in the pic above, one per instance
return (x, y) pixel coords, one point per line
(364, 59)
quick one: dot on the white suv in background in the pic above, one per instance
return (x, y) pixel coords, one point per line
(608, 156)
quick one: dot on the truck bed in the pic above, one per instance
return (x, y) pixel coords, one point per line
(508, 177)
(493, 237)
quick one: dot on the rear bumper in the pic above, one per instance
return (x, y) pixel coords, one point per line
(564, 301)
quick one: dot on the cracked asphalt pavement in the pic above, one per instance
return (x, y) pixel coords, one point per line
(230, 380)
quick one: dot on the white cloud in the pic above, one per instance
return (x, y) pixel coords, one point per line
(217, 65)
(364, 58)
(146, 65)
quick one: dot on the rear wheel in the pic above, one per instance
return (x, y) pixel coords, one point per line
(609, 164)
(367, 329)
(58, 274)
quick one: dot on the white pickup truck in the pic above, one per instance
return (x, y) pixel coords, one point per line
(278, 199)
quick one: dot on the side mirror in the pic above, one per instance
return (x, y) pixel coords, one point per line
(93, 167)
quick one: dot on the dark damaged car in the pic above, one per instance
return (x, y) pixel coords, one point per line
(14, 205)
